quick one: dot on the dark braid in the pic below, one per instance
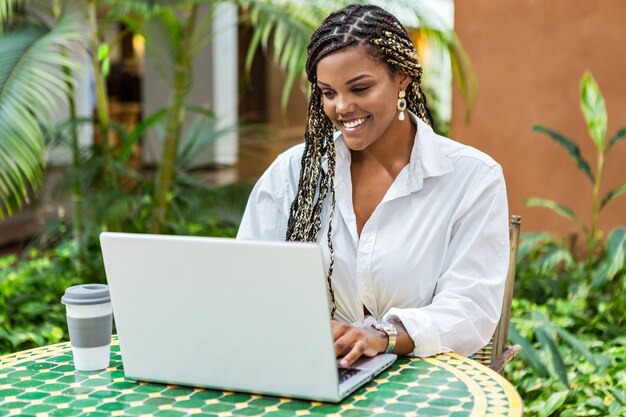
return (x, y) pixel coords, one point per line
(386, 39)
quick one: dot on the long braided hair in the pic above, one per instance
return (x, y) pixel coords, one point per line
(385, 38)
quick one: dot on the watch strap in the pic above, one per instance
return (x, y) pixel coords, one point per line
(392, 334)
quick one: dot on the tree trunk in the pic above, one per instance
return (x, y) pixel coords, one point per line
(102, 99)
(176, 115)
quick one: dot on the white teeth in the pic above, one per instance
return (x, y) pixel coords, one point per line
(354, 123)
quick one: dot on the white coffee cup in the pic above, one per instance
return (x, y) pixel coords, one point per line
(89, 321)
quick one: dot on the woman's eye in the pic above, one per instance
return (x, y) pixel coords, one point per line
(360, 90)
(328, 94)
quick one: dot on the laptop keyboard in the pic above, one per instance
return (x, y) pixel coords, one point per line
(345, 373)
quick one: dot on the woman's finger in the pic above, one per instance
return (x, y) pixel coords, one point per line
(344, 343)
(355, 353)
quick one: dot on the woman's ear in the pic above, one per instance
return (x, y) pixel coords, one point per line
(403, 81)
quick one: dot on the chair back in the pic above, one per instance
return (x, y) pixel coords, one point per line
(499, 342)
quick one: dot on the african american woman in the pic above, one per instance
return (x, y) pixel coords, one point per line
(414, 225)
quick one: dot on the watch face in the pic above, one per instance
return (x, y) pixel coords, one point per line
(389, 328)
(385, 327)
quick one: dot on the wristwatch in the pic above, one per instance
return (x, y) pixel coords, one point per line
(391, 332)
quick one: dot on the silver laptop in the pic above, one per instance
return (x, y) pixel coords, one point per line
(227, 314)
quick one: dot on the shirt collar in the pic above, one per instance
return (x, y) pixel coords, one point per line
(427, 159)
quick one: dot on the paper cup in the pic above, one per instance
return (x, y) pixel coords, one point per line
(89, 321)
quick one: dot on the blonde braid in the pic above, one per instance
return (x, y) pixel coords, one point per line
(305, 215)
(400, 53)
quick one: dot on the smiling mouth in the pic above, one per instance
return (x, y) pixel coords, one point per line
(353, 124)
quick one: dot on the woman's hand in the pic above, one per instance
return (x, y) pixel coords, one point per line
(353, 342)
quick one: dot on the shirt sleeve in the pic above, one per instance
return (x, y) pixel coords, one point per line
(266, 214)
(467, 301)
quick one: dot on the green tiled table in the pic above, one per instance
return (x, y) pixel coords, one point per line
(42, 382)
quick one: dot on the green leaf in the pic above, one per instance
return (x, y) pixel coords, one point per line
(558, 208)
(600, 276)
(596, 403)
(33, 308)
(620, 395)
(134, 136)
(529, 353)
(201, 111)
(615, 192)
(103, 52)
(557, 361)
(616, 410)
(592, 104)
(32, 86)
(576, 344)
(553, 403)
(615, 252)
(553, 257)
(572, 149)
(618, 136)
(162, 34)
(529, 240)
(252, 47)
(6, 11)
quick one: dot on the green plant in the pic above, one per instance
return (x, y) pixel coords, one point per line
(569, 315)
(31, 52)
(571, 329)
(594, 112)
(30, 293)
(195, 206)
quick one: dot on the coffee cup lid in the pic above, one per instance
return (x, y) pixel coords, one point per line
(86, 294)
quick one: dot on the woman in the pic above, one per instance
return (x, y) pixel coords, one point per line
(415, 225)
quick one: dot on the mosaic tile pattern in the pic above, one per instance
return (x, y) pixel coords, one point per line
(42, 382)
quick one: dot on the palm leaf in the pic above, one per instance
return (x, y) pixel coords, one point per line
(140, 9)
(572, 149)
(422, 15)
(32, 86)
(206, 28)
(463, 70)
(163, 33)
(6, 12)
(288, 26)
(139, 130)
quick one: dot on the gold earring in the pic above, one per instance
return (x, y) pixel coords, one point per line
(401, 105)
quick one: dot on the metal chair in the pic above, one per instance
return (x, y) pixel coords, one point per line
(498, 353)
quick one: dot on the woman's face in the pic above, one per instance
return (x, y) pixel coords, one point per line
(360, 96)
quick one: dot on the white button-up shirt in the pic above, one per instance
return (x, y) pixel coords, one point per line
(434, 253)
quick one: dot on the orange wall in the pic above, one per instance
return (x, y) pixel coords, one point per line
(529, 57)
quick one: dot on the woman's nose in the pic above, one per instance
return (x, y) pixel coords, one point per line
(344, 105)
